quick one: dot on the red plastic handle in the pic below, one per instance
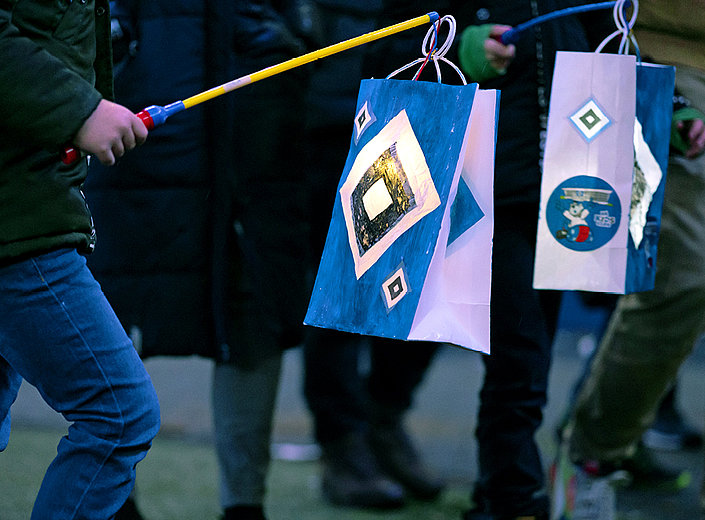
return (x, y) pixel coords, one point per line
(146, 118)
(70, 155)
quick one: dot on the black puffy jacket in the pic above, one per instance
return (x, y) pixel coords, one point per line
(194, 229)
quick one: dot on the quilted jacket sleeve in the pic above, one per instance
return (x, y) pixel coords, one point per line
(42, 98)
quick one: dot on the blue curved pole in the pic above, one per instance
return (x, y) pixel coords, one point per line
(513, 34)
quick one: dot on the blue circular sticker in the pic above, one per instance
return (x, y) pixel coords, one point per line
(583, 213)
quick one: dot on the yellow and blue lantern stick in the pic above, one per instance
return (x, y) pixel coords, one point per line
(155, 115)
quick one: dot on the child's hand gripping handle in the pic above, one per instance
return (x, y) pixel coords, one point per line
(152, 117)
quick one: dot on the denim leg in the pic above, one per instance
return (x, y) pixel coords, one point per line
(10, 382)
(59, 333)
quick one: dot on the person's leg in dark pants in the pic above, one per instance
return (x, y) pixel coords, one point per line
(336, 394)
(358, 417)
(511, 479)
(397, 369)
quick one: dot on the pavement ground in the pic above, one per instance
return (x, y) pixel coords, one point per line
(178, 479)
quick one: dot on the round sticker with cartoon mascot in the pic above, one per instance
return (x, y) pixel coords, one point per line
(583, 213)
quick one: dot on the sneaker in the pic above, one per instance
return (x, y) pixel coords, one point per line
(478, 514)
(646, 472)
(671, 432)
(585, 491)
(399, 459)
(352, 477)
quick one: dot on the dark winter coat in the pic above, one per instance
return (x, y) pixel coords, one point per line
(199, 232)
(335, 82)
(330, 106)
(51, 56)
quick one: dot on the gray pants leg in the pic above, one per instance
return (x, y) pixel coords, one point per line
(243, 407)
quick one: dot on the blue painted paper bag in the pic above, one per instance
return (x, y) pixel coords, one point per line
(604, 173)
(408, 250)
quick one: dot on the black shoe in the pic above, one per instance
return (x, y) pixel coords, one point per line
(128, 511)
(478, 514)
(398, 459)
(352, 477)
(253, 512)
(646, 472)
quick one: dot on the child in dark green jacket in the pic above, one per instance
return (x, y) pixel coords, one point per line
(57, 331)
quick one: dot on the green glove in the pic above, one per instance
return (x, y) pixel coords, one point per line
(683, 114)
(471, 53)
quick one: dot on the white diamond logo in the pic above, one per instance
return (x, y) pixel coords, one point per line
(363, 120)
(590, 120)
(377, 199)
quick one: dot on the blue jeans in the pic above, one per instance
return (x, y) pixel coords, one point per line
(58, 332)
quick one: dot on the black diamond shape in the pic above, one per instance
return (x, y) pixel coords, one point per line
(589, 119)
(389, 168)
(395, 288)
